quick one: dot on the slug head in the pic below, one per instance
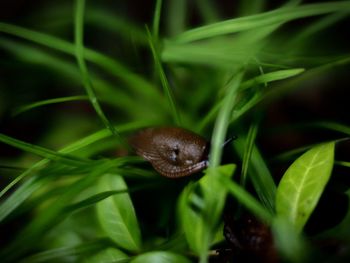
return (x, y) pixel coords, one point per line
(173, 152)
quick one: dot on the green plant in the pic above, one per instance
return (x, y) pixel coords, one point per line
(89, 201)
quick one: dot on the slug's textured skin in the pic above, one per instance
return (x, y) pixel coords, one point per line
(173, 152)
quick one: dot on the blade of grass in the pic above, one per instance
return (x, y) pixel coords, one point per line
(79, 35)
(208, 11)
(259, 173)
(272, 76)
(165, 84)
(22, 193)
(281, 15)
(176, 16)
(43, 152)
(222, 120)
(253, 130)
(33, 105)
(333, 126)
(156, 20)
(92, 200)
(343, 163)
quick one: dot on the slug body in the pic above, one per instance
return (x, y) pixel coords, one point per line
(173, 152)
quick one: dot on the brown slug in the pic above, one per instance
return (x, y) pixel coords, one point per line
(173, 152)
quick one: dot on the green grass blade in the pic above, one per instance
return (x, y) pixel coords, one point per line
(117, 216)
(332, 126)
(259, 174)
(253, 130)
(22, 193)
(208, 10)
(176, 16)
(303, 183)
(33, 105)
(222, 121)
(281, 15)
(165, 84)
(94, 199)
(272, 76)
(43, 152)
(343, 163)
(156, 20)
(79, 52)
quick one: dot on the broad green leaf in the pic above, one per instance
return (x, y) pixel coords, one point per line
(200, 208)
(108, 255)
(160, 257)
(117, 216)
(303, 183)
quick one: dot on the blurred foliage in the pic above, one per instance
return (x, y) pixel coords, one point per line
(77, 78)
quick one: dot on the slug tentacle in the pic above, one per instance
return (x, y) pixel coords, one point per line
(173, 152)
